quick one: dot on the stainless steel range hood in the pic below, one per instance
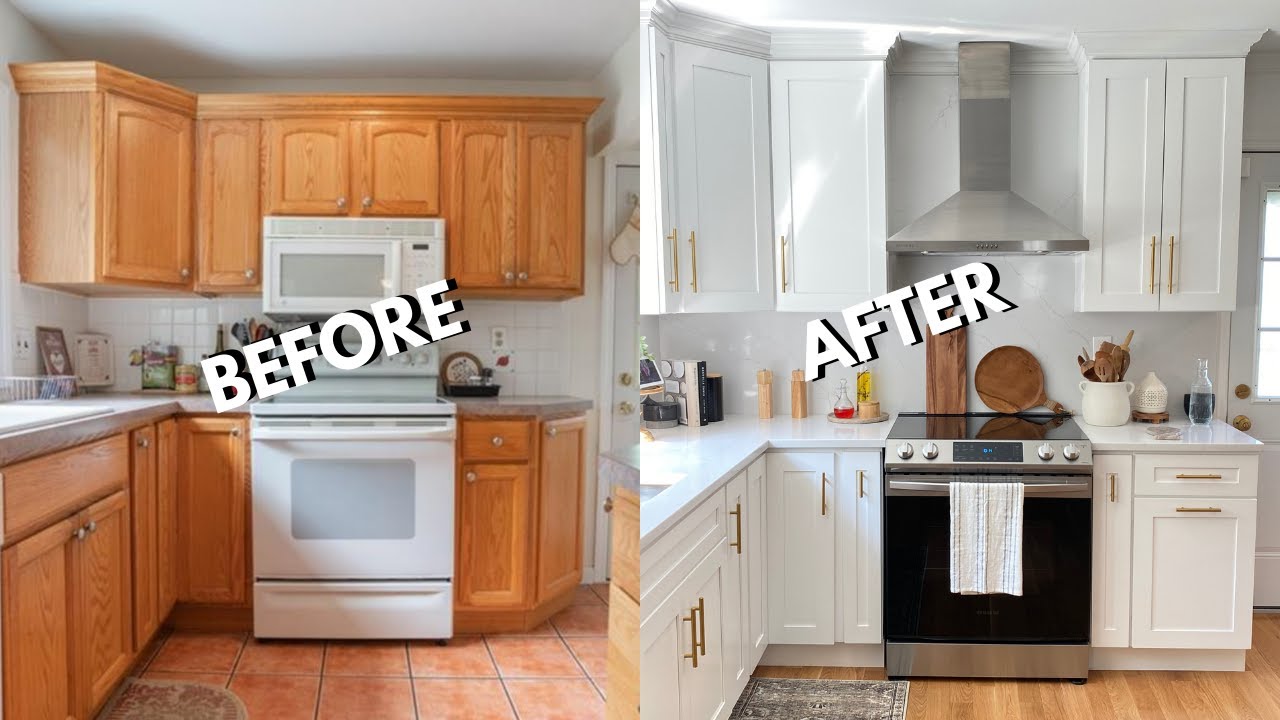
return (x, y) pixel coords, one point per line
(986, 217)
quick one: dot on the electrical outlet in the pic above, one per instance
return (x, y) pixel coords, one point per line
(498, 339)
(25, 344)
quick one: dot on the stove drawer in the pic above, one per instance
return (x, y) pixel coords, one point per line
(496, 439)
(1195, 475)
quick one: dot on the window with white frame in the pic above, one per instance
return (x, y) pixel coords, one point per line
(1268, 366)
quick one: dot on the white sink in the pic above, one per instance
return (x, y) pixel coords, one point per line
(26, 415)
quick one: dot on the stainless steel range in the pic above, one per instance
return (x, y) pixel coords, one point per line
(929, 631)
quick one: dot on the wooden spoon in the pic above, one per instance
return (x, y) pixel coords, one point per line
(1102, 365)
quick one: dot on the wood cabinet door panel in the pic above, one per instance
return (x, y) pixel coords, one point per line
(167, 515)
(103, 593)
(482, 203)
(397, 163)
(549, 240)
(212, 510)
(229, 219)
(560, 487)
(146, 189)
(493, 535)
(146, 587)
(308, 171)
(37, 625)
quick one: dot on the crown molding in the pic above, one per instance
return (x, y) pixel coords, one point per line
(689, 27)
(905, 60)
(829, 45)
(1159, 44)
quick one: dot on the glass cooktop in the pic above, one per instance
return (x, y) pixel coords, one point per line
(985, 426)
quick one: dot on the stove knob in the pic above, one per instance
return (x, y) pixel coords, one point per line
(929, 451)
(1045, 452)
(1071, 452)
(905, 451)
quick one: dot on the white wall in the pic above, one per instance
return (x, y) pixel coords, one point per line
(923, 162)
(1262, 102)
(22, 307)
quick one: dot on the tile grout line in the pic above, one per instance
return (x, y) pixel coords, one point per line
(502, 680)
(590, 680)
(244, 641)
(413, 686)
(324, 658)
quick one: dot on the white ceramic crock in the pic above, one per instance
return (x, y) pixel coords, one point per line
(1105, 404)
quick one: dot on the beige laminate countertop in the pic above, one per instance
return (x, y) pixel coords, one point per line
(521, 405)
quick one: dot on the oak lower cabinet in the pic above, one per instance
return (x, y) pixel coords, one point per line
(153, 485)
(801, 510)
(519, 520)
(67, 614)
(213, 558)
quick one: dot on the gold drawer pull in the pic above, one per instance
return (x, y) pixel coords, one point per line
(1112, 478)
(861, 476)
(693, 635)
(737, 517)
(1208, 509)
(702, 626)
(674, 282)
(824, 493)
(1187, 476)
(784, 262)
(1152, 278)
(693, 258)
(1170, 264)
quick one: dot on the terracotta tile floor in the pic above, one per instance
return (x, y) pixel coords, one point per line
(553, 672)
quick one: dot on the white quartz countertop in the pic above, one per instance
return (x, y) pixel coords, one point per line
(1216, 437)
(685, 465)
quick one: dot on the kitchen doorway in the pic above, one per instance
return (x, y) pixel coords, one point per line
(1252, 391)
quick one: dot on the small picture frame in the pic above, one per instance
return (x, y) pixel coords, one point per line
(650, 379)
(53, 351)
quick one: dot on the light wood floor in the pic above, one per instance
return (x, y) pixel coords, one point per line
(1254, 693)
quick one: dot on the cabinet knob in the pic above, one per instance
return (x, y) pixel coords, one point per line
(509, 276)
(92, 526)
(186, 272)
(552, 431)
(342, 202)
(523, 276)
(249, 273)
(235, 432)
(78, 533)
(608, 504)
(143, 442)
(470, 476)
(367, 201)
(497, 441)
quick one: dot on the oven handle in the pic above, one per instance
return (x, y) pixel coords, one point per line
(944, 488)
(269, 434)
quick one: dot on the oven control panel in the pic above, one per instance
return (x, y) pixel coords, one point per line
(1024, 454)
(986, 452)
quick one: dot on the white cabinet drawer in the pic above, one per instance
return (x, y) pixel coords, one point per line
(1196, 475)
(666, 563)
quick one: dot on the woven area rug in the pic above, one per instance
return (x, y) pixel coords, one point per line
(789, 699)
(169, 700)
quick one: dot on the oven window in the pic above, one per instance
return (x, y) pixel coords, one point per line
(358, 499)
(349, 275)
(1054, 607)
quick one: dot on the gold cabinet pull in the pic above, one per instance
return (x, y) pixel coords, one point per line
(702, 626)
(693, 258)
(1199, 509)
(824, 493)
(737, 517)
(861, 475)
(674, 282)
(1152, 278)
(1112, 478)
(1186, 476)
(693, 635)
(1170, 264)
(784, 262)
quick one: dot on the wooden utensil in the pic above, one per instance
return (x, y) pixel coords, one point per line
(1009, 380)
(1103, 367)
(764, 394)
(946, 372)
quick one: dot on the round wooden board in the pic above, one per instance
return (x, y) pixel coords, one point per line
(831, 417)
(1009, 380)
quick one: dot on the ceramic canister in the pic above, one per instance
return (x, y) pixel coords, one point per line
(1105, 404)
(1151, 395)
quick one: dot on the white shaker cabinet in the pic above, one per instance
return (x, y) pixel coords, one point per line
(1161, 172)
(721, 117)
(801, 510)
(1193, 572)
(659, 237)
(737, 661)
(828, 130)
(858, 526)
(1112, 545)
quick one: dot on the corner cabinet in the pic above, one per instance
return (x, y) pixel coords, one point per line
(1161, 144)
(829, 212)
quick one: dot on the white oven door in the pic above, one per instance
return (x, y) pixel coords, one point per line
(302, 277)
(353, 498)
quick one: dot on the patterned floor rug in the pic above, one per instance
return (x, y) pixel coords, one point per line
(790, 699)
(164, 700)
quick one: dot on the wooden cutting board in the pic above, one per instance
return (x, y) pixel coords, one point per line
(946, 371)
(1009, 380)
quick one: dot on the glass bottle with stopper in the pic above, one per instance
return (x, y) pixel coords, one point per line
(844, 408)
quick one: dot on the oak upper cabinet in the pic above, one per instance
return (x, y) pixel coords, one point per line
(105, 181)
(721, 106)
(493, 535)
(561, 453)
(829, 214)
(308, 166)
(1162, 142)
(213, 510)
(515, 207)
(397, 166)
(228, 206)
(801, 506)
(1112, 548)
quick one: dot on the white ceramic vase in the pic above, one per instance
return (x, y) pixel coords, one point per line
(1151, 395)
(1105, 404)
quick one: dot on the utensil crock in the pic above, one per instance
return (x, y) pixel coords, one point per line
(1105, 404)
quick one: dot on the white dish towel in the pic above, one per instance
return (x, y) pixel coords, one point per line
(986, 538)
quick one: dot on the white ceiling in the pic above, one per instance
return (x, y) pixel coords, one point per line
(473, 39)
(1038, 23)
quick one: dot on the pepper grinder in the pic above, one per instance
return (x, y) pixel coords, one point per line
(764, 393)
(799, 395)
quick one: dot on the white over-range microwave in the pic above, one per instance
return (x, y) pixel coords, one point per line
(314, 266)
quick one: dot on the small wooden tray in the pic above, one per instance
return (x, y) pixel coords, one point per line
(1150, 417)
(831, 417)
